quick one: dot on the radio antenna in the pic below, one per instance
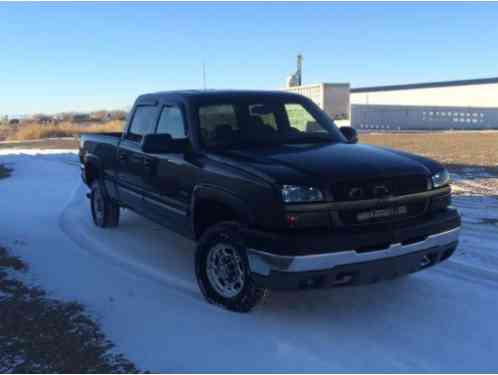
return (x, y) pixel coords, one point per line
(204, 74)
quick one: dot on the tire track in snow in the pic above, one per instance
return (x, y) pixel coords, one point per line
(464, 271)
(68, 223)
(439, 321)
(477, 253)
(474, 265)
(71, 224)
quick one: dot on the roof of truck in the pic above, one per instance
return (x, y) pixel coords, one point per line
(218, 94)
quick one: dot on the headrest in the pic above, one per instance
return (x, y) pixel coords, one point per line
(256, 121)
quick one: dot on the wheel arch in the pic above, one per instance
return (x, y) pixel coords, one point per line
(212, 204)
(93, 168)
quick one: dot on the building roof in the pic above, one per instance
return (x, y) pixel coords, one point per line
(482, 81)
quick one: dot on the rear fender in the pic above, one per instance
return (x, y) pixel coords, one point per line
(94, 169)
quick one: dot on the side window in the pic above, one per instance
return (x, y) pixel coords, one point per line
(142, 123)
(171, 122)
(301, 120)
(218, 123)
(266, 115)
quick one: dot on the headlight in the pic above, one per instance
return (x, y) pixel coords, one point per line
(441, 178)
(300, 194)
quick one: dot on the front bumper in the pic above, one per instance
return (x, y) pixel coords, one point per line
(419, 248)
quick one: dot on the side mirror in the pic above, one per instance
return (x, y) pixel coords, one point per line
(349, 133)
(163, 144)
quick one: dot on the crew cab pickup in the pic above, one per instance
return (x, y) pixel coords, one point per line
(275, 195)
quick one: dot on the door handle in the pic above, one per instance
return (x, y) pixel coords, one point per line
(122, 156)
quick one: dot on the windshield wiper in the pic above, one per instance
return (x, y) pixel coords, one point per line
(245, 144)
(310, 139)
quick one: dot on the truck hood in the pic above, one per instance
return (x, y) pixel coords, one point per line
(321, 164)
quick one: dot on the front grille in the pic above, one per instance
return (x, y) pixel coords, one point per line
(413, 209)
(379, 188)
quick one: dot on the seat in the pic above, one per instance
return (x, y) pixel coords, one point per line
(224, 134)
(258, 129)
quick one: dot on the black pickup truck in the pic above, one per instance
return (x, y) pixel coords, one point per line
(276, 196)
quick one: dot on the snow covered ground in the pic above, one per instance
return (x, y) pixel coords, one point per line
(137, 280)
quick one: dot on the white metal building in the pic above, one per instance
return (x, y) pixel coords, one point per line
(469, 104)
(333, 98)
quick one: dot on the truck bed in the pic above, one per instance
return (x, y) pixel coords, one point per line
(101, 136)
(105, 142)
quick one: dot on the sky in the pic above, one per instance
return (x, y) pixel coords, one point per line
(86, 56)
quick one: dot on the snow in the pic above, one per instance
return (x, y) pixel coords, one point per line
(138, 281)
(44, 140)
(34, 151)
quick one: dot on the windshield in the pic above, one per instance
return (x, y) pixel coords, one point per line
(250, 124)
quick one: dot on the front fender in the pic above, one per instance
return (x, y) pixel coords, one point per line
(222, 196)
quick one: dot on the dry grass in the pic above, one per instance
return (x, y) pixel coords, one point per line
(42, 131)
(43, 144)
(454, 149)
(5, 132)
(39, 334)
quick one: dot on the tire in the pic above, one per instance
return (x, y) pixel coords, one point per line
(105, 212)
(222, 248)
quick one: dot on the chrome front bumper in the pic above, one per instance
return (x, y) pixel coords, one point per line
(263, 263)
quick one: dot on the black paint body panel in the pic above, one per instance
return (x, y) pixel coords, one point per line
(167, 187)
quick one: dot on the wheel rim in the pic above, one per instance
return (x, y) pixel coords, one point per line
(225, 270)
(98, 206)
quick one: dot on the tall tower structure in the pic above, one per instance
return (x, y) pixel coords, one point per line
(299, 70)
(296, 79)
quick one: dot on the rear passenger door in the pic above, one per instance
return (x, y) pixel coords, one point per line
(131, 159)
(172, 177)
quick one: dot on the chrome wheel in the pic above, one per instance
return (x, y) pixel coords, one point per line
(225, 270)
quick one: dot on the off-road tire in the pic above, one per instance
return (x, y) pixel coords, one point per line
(227, 232)
(105, 212)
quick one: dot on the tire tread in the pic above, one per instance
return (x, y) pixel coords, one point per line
(251, 294)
